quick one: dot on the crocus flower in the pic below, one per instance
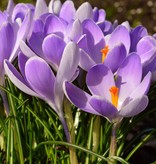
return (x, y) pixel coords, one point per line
(103, 49)
(113, 97)
(37, 78)
(47, 36)
(14, 26)
(20, 17)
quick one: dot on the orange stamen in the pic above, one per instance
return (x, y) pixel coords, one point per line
(114, 94)
(104, 52)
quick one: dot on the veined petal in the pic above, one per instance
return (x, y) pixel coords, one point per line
(40, 77)
(129, 76)
(84, 12)
(53, 47)
(67, 11)
(134, 107)
(103, 106)
(17, 79)
(99, 80)
(78, 97)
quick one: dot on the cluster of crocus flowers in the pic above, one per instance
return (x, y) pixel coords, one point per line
(55, 43)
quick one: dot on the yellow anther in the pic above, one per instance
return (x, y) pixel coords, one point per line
(104, 52)
(114, 94)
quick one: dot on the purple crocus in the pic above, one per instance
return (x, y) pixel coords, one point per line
(113, 97)
(14, 26)
(37, 78)
(97, 48)
(49, 34)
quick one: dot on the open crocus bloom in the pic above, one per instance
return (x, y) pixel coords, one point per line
(113, 97)
(37, 78)
(97, 48)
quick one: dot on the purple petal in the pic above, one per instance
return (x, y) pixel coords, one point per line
(103, 106)
(3, 17)
(136, 35)
(10, 7)
(40, 77)
(78, 97)
(54, 25)
(99, 80)
(127, 25)
(119, 54)
(55, 6)
(99, 15)
(40, 9)
(75, 32)
(82, 43)
(67, 69)
(146, 48)
(67, 11)
(69, 62)
(53, 47)
(120, 35)
(84, 12)
(143, 87)
(108, 28)
(135, 107)
(22, 34)
(17, 79)
(6, 43)
(90, 28)
(26, 50)
(95, 14)
(38, 26)
(86, 61)
(129, 76)
(95, 39)
(35, 43)
(22, 59)
(19, 12)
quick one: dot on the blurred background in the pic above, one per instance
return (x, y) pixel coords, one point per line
(135, 11)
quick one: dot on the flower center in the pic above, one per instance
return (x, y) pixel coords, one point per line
(104, 52)
(114, 91)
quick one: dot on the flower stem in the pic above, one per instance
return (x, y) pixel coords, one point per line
(96, 135)
(113, 143)
(70, 126)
